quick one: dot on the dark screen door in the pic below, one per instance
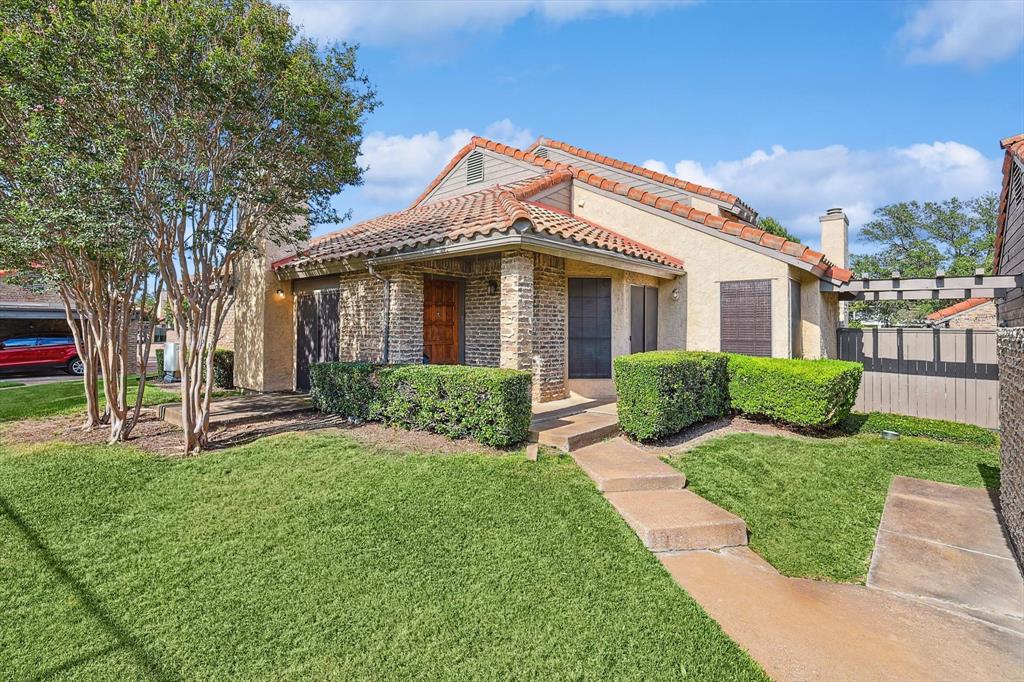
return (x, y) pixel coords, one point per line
(317, 322)
(643, 319)
(590, 328)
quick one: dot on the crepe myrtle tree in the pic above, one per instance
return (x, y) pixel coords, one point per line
(65, 224)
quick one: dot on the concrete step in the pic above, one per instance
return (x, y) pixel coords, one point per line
(617, 465)
(575, 431)
(668, 520)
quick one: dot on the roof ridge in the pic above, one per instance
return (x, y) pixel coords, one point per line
(657, 176)
(820, 265)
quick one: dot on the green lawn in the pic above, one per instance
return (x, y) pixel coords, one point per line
(313, 556)
(65, 397)
(813, 506)
(10, 384)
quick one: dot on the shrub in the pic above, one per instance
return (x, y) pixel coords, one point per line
(224, 368)
(663, 392)
(489, 405)
(344, 388)
(159, 362)
(936, 429)
(815, 393)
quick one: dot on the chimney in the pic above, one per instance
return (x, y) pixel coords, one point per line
(835, 244)
(835, 236)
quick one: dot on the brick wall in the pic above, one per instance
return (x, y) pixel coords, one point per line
(550, 312)
(979, 317)
(361, 302)
(1010, 344)
(517, 310)
(483, 314)
(11, 293)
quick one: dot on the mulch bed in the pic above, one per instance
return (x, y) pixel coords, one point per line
(156, 436)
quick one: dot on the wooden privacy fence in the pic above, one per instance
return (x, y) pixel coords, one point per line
(936, 373)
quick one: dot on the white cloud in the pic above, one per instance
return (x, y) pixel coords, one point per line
(798, 186)
(395, 21)
(971, 33)
(400, 166)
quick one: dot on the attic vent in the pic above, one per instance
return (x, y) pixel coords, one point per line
(542, 153)
(474, 168)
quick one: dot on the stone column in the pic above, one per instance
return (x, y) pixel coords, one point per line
(406, 339)
(1010, 344)
(516, 310)
(550, 302)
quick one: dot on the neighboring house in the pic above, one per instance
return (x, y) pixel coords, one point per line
(973, 313)
(1009, 260)
(26, 311)
(165, 332)
(554, 260)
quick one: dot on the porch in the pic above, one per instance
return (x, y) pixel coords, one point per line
(562, 318)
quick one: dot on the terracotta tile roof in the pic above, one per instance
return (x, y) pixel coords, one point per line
(957, 308)
(663, 178)
(481, 213)
(1014, 147)
(820, 265)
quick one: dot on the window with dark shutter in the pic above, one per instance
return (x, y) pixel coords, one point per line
(746, 317)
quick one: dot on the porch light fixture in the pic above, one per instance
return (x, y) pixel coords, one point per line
(675, 294)
(280, 293)
(492, 287)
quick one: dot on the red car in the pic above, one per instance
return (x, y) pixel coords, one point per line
(41, 350)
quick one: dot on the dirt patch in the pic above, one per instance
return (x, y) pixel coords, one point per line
(156, 436)
(691, 437)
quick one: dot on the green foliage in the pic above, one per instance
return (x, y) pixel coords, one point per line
(224, 368)
(314, 556)
(159, 352)
(662, 392)
(773, 226)
(492, 406)
(10, 384)
(344, 388)
(813, 505)
(937, 429)
(812, 393)
(64, 397)
(919, 239)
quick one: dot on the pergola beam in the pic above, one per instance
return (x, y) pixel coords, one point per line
(924, 294)
(940, 287)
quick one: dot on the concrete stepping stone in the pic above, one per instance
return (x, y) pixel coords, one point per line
(574, 431)
(944, 543)
(668, 520)
(617, 466)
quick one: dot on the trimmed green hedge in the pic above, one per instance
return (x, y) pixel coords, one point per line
(936, 429)
(662, 392)
(492, 406)
(813, 393)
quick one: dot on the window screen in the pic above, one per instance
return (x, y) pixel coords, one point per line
(746, 317)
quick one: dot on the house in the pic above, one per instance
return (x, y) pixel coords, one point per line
(1009, 260)
(972, 313)
(552, 259)
(25, 310)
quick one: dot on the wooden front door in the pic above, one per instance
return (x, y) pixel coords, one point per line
(441, 315)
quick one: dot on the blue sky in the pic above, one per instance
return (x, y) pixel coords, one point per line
(793, 106)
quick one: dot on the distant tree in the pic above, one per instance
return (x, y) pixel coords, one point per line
(917, 240)
(773, 226)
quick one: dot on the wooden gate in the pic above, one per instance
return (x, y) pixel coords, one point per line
(948, 374)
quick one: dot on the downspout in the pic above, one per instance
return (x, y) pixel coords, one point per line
(387, 309)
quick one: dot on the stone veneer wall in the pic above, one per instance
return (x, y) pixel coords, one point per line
(483, 314)
(550, 313)
(1010, 344)
(361, 331)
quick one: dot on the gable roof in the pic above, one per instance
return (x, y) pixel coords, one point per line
(819, 265)
(956, 309)
(738, 207)
(1014, 147)
(496, 209)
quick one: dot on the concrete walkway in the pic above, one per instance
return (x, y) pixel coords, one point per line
(943, 603)
(244, 408)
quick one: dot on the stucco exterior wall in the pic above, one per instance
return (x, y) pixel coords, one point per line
(709, 261)
(264, 321)
(819, 317)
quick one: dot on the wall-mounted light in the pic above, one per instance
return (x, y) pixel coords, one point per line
(675, 294)
(492, 287)
(280, 293)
